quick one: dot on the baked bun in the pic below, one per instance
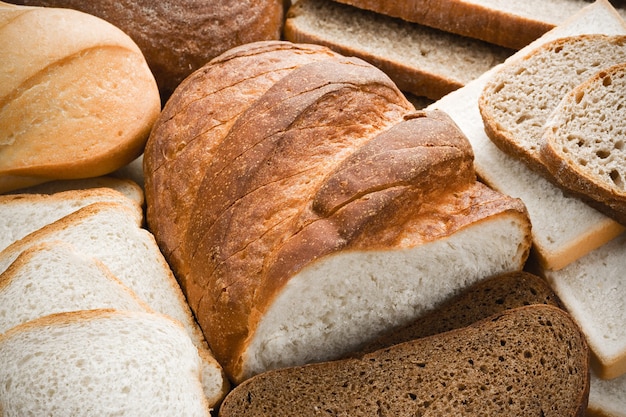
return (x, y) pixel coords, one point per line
(178, 37)
(78, 99)
(306, 206)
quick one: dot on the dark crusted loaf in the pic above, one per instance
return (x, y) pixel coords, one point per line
(530, 361)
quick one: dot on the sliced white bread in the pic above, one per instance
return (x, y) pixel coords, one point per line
(564, 228)
(421, 60)
(607, 398)
(584, 142)
(520, 96)
(100, 363)
(111, 233)
(592, 289)
(53, 277)
(513, 24)
(128, 187)
(21, 214)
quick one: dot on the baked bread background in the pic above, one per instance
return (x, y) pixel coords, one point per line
(565, 259)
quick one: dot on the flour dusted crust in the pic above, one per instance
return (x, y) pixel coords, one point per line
(310, 160)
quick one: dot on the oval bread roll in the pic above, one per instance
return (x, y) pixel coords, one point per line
(77, 97)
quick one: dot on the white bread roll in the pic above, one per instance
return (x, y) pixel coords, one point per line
(78, 99)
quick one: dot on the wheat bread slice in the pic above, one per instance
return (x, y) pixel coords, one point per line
(564, 227)
(584, 141)
(513, 24)
(519, 97)
(420, 60)
(100, 362)
(52, 277)
(530, 360)
(474, 303)
(111, 233)
(21, 214)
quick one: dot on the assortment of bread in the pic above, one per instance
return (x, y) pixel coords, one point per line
(301, 235)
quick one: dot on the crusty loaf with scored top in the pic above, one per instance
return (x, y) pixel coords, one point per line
(530, 360)
(78, 99)
(584, 142)
(320, 208)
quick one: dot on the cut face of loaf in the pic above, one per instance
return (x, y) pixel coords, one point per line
(584, 144)
(519, 98)
(78, 99)
(100, 362)
(321, 177)
(526, 361)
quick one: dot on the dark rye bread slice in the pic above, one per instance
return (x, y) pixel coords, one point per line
(530, 360)
(477, 302)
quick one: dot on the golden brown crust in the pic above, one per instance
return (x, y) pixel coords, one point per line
(178, 37)
(463, 18)
(325, 154)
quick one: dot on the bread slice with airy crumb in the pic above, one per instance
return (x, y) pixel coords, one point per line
(584, 142)
(100, 363)
(477, 302)
(530, 360)
(519, 98)
(111, 233)
(52, 277)
(606, 398)
(21, 214)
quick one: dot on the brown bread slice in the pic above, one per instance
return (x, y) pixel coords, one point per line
(530, 360)
(477, 302)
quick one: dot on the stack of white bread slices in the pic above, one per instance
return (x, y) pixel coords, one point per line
(580, 250)
(92, 320)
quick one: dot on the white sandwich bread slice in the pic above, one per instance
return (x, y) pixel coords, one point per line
(100, 362)
(584, 142)
(513, 24)
(21, 214)
(564, 227)
(52, 277)
(606, 398)
(111, 233)
(592, 289)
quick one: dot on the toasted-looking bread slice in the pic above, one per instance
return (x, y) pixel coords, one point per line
(530, 360)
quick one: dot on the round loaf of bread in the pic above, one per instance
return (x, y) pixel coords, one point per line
(305, 205)
(178, 37)
(77, 97)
